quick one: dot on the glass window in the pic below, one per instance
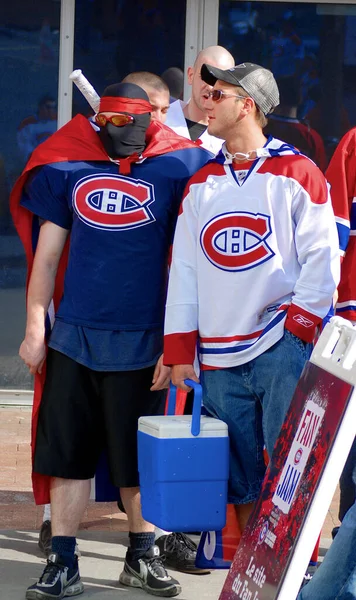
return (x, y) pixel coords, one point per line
(29, 37)
(116, 37)
(311, 49)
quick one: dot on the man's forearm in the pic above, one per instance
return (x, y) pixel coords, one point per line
(40, 293)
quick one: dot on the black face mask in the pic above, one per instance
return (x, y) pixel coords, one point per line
(121, 142)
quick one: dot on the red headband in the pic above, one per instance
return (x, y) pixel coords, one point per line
(128, 105)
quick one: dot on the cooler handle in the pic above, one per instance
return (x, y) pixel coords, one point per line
(195, 427)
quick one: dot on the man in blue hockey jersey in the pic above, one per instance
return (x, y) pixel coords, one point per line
(100, 207)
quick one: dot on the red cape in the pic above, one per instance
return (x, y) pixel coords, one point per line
(77, 140)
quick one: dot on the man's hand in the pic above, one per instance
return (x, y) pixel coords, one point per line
(161, 376)
(33, 353)
(182, 372)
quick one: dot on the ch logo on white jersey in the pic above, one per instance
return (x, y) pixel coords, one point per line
(113, 202)
(236, 241)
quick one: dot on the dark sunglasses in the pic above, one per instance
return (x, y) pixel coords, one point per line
(117, 120)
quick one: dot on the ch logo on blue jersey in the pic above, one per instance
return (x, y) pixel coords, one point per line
(236, 241)
(113, 202)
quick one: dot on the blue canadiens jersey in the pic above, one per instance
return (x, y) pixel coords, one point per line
(121, 231)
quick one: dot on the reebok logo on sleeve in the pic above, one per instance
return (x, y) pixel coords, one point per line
(303, 321)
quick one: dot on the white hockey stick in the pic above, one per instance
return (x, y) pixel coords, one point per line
(86, 88)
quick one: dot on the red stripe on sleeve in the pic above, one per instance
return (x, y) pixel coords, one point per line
(179, 348)
(302, 323)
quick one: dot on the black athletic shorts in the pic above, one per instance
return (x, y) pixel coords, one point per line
(83, 412)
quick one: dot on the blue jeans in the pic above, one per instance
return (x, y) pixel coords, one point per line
(253, 400)
(336, 577)
(348, 483)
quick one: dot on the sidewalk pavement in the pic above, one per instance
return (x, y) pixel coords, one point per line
(102, 560)
(103, 532)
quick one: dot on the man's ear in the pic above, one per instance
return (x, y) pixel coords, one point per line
(249, 105)
(190, 74)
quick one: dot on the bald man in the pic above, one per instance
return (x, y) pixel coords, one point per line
(156, 89)
(190, 119)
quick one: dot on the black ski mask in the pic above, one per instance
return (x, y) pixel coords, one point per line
(124, 141)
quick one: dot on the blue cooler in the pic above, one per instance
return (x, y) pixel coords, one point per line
(183, 463)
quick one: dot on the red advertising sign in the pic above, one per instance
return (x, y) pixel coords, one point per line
(277, 544)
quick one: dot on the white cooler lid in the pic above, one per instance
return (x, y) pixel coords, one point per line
(180, 427)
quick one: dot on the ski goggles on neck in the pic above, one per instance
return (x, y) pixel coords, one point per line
(117, 120)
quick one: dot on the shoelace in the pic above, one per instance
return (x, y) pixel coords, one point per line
(156, 565)
(51, 572)
(186, 541)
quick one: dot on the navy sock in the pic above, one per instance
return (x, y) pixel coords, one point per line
(65, 547)
(139, 544)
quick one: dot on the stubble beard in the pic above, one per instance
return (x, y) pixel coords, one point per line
(216, 131)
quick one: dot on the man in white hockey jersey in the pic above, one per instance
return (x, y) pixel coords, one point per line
(190, 119)
(255, 265)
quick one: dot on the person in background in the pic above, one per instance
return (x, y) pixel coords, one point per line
(35, 129)
(156, 89)
(284, 124)
(190, 119)
(174, 78)
(286, 48)
(309, 79)
(315, 116)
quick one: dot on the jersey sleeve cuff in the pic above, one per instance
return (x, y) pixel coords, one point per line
(179, 348)
(302, 323)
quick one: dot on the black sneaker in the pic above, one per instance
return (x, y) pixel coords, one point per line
(56, 581)
(45, 538)
(180, 553)
(149, 574)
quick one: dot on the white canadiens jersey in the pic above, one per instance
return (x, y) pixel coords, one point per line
(255, 250)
